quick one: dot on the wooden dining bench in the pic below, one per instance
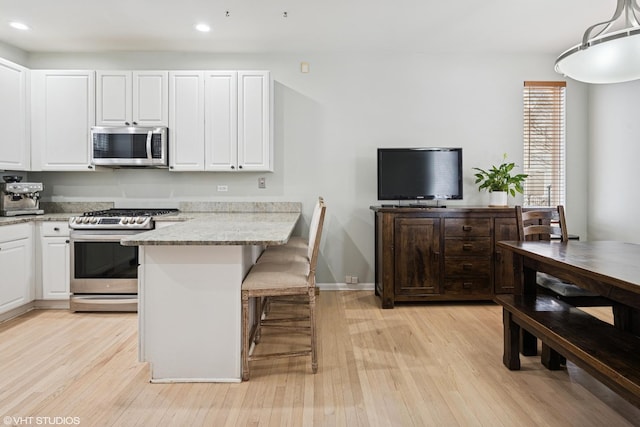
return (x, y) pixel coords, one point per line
(609, 354)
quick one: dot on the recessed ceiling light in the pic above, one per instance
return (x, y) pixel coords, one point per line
(19, 25)
(204, 28)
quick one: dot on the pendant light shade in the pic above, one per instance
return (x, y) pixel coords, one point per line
(606, 57)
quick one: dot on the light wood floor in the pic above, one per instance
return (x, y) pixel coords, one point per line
(423, 365)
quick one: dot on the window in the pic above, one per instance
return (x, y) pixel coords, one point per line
(544, 143)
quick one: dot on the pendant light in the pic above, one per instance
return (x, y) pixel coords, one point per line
(606, 57)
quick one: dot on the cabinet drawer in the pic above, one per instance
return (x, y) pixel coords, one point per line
(462, 247)
(55, 228)
(472, 286)
(474, 227)
(469, 267)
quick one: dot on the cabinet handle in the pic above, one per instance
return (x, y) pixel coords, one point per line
(233, 167)
(467, 247)
(467, 228)
(135, 123)
(467, 266)
(90, 166)
(56, 229)
(467, 285)
(66, 241)
(127, 124)
(240, 167)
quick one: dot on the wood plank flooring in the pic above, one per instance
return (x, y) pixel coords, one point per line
(415, 365)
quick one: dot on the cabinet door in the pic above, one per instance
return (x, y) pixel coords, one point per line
(186, 121)
(417, 256)
(505, 229)
(113, 98)
(14, 144)
(63, 111)
(17, 266)
(55, 268)
(254, 121)
(221, 121)
(150, 104)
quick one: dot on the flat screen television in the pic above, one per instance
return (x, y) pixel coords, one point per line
(419, 173)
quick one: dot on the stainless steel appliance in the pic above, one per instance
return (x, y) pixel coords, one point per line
(129, 146)
(20, 198)
(104, 274)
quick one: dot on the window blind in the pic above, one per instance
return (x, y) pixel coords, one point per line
(544, 143)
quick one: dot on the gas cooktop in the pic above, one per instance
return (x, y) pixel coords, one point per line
(116, 218)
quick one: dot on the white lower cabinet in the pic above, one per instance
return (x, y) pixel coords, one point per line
(54, 259)
(17, 265)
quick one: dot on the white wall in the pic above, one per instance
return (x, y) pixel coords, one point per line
(328, 124)
(614, 194)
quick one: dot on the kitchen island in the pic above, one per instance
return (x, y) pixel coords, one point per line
(189, 281)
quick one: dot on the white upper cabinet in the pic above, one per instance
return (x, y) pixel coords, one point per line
(186, 121)
(62, 113)
(255, 148)
(220, 121)
(126, 98)
(14, 144)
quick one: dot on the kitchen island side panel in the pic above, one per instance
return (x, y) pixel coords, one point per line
(190, 311)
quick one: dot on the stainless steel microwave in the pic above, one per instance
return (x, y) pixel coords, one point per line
(129, 146)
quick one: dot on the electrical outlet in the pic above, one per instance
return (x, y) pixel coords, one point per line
(262, 182)
(354, 280)
(347, 279)
(223, 188)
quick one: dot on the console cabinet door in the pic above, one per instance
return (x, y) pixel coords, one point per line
(417, 256)
(62, 113)
(14, 144)
(505, 229)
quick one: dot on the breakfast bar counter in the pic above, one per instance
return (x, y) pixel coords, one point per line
(189, 280)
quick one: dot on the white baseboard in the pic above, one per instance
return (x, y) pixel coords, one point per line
(345, 286)
(18, 311)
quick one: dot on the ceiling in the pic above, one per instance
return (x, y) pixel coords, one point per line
(416, 26)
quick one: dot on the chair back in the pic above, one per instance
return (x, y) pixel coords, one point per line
(313, 226)
(315, 234)
(538, 224)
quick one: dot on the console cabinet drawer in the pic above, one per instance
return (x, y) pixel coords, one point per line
(471, 267)
(459, 247)
(471, 286)
(467, 227)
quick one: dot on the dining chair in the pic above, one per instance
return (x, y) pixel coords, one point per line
(540, 225)
(282, 277)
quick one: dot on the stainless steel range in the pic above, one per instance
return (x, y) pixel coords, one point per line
(104, 274)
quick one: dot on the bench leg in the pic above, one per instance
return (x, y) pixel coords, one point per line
(245, 336)
(511, 356)
(528, 344)
(551, 359)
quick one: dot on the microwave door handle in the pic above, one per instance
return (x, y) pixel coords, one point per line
(149, 154)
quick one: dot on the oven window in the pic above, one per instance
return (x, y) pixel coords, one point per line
(105, 260)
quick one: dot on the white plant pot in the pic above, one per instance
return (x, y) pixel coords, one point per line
(498, 198)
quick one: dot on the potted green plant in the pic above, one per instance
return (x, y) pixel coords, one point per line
(500, 181)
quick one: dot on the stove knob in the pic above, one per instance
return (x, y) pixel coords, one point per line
(85, 220)
(125, 220)
(141, 220)
(94, 220)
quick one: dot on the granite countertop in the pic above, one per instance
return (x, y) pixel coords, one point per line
(218, 228)
(10, 220)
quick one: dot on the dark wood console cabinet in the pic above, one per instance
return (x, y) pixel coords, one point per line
(442, 254)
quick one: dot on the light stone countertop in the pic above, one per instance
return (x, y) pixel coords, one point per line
(233, 228)
(10, 220)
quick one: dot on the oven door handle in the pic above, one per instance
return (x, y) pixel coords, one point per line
(98, 237)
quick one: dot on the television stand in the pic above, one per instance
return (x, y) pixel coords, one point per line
(419, 205)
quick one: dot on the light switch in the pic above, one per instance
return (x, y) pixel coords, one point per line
(304, 67)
